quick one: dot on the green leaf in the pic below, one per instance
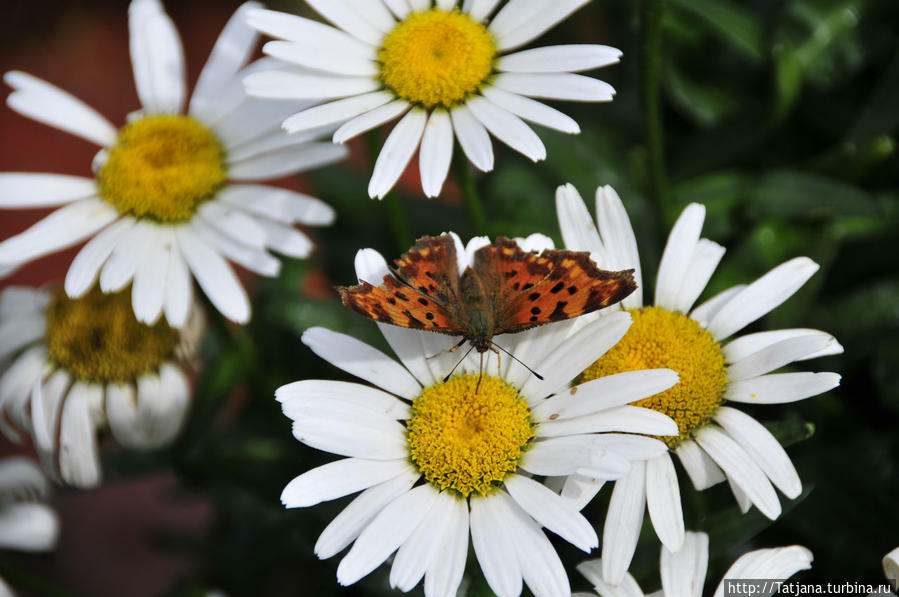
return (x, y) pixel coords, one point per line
(795, 194)
(731, 22)
(707, 105)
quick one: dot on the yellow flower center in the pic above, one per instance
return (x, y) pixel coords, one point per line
(96, 338)
(659, 338)
(162, 167)
(437, 57)
(466, 441)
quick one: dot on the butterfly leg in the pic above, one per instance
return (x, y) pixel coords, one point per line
(448, 350)
(480, 374)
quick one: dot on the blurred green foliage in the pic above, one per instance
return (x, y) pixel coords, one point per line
(781, 117)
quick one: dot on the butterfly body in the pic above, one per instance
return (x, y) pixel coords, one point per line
(505, 290)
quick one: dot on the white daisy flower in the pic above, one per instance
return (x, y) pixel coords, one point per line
(717, 442)
(172, 195)
(71, 367)
(448, 68)
(26, 523)
(438, 461)
(683, 572)
(891, 567)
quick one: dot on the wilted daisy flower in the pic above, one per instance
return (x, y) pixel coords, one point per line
(683, 572)
(716, 442)
(437, 460)
(170, 196)
(79, 365)
(448, 70)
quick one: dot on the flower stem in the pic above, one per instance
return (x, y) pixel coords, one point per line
(651, 13)
(470, 197)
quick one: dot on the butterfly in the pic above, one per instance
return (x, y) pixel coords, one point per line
(505, 290)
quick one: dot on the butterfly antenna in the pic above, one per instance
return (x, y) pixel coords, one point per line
(448, 375)
(517, 360)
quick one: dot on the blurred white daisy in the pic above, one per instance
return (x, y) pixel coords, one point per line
(716, 442)
(448, 70)
(71, 367)
(26, 523)
(683, 572)
(438, 461)
(170, 196)
(891, 567)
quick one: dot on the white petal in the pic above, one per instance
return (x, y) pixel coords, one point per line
(347, 525)
(79, 463)
(400, 8)
(445, 574)
(86, 266)
(369, 120)
(46, 403)
(701, 469)
(436, 152)
(278, 204)
(28, 527)
(891, 566)
(16, 386)
(295, 395)
(540, 564)
(775, 356)
(559, 59)
(274, 84)
(127, 255)
(663, 502)
(22, 479)
(592, 571)
(762, 447)
(26, 189)
(777, 563)
(363, 361)
(556, 86)
(508, 128)
(676, 258)
(390, 528)
(578, 352)
(777, 388)
(705, 258)
(473, 138)
(340, 13)
(232, 49)
(552, 512)
(396, 153)
(233, 223)
(349, 431)
(628, 419)
(422, 550)
(336, 112)
(214, 276)
(37, 99)
(179, 291)
(306, 31)
(579, 233)
(63, 228)
(479, 9)
(20, 331)
(22, 300)
(122, 413)
(156, 57)
(148, 292)
(739, 348)
(623, 522)
(162, 405)
(707, 310)
(512, 15)
(580, 490)
(494, 545)
(604, 393)
(549, 15)
(254, 259)
(740, 469)
(532, 110)
(762, 296)
(314, 58)
(287, 161)
(337, 479)
(253, 119)
(683, 572)
(618, 239)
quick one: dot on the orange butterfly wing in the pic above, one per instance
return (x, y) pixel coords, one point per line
(530, 289)
(423, 295)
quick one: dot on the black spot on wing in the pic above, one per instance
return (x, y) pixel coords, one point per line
(559, 312)
(535, 311)
(423, 301)
(533, 296)
(413, 322)
(401, 296)
(572, 289)
(557, 287)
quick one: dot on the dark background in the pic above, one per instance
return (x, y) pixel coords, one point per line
(779, 115)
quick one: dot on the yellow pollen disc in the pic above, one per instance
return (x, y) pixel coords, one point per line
(96, 338)
(437, 58)
(162, 167)
(468, 442)
(660, 338)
